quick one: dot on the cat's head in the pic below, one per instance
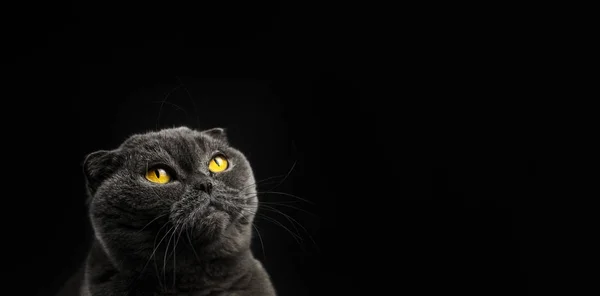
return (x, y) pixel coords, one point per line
(175, 182)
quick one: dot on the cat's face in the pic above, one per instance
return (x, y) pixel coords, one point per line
(168, 183)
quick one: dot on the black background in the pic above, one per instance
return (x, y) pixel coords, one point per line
(409, 138)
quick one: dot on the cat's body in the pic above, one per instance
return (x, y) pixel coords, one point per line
(172, 214)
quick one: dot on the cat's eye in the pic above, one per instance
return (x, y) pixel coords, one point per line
(218, 164)
(158, 175)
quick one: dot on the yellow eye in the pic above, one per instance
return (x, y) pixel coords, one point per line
(218, 164)
(157, 175)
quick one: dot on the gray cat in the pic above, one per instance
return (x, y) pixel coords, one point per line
(172, 214)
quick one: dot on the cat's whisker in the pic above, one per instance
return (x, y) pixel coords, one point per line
(292, 221)
(191, 244)
(262, 203)
(158, 217)
(296, 236)
(155, 248)
(286, 176)
(166, 252)
(287, 194)
(180, 226)
(257, 214)
(280, 202)
(284, 194)
(153, 255)
(157, 272)
(262, 246)
(262, 182)
(175, 258)
(286, 216)
(266, 179)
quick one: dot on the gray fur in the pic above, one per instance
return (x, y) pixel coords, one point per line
(209, 227)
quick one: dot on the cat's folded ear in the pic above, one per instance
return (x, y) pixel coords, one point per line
(97, 166)
(218, 133)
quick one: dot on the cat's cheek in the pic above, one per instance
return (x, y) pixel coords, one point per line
(170, 193)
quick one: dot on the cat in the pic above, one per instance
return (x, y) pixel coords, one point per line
(172, 213)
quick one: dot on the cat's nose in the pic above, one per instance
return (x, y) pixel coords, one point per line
(204, 185)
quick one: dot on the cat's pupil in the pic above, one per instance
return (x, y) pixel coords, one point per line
(157, 173)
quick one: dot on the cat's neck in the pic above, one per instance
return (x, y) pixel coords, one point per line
(186, 273)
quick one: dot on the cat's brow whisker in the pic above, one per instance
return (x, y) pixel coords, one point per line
(163, 103)
(191, 100)
(179, 108)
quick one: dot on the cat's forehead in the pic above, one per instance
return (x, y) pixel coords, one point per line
(170, 139)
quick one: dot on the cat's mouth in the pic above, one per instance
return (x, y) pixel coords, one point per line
(209, 222)
(202, 215)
